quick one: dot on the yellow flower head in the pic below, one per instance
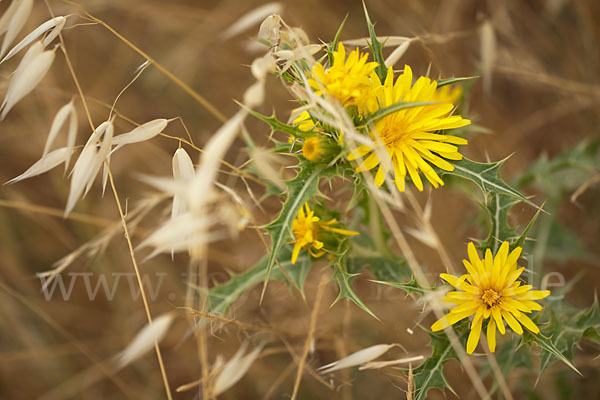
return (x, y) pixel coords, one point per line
(320, 149)
(491, 290)
(307, 227)
(448, 94)
(346, 80)
(409, 135)
(304, 121)
(312, 149)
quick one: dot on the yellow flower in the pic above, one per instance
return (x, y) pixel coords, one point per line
(346, 80)
(304, 121)
(491, 289)
(320, 149)
(312, 149)
(448, 94)
(409, 135)
(307, 228)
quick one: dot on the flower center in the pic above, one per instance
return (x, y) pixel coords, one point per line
(490, 297)
(311, 149)
(393, 131)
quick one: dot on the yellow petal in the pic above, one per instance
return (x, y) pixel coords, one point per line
(499, 261)
(450, 319)
(514, 291)
(438, 146)
(341, 231)
(497, 315)
(488, 261)
(491, 336)
(475, 332)
(471, 305)
(379, 176)
(399, 177)
(295, 253)
(472, 271)
(515, 304)
(434, 159)
(512, 322)
(371, 162)
(502, 254)
(359, 152)
(527, 322)
(534, 295)
(461, 296)
(414, 175)
(513, 257)
(508, 282)
(532, 305)
(474, 257)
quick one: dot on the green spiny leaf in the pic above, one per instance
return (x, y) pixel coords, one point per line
(567, 328)
(563, 245)
(222, 296)
(547, 346)
(565, 172)
(509, 357)
(430, 374)
(376, 47)
(486, 176)
(389, 269)
(332, 47)
(277, 125)
(451, 81)
(300, 189)
(497, 207)
(409, 287)
(344, 280)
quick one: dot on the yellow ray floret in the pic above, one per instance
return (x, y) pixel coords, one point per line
(304, 121)
(346, 80)
(491, 290)
(307, 227)
(409, 136)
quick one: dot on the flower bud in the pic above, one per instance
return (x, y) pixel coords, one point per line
(320, 149)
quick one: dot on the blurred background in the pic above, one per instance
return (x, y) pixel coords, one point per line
(543, 99)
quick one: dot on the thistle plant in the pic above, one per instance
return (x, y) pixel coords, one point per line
(372, 141)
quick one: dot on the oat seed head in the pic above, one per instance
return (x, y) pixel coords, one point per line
(15, 21)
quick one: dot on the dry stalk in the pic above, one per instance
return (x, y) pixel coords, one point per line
(205, 103)
(123, 386)
(139, 279)
(311, 332)
(123, 221)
